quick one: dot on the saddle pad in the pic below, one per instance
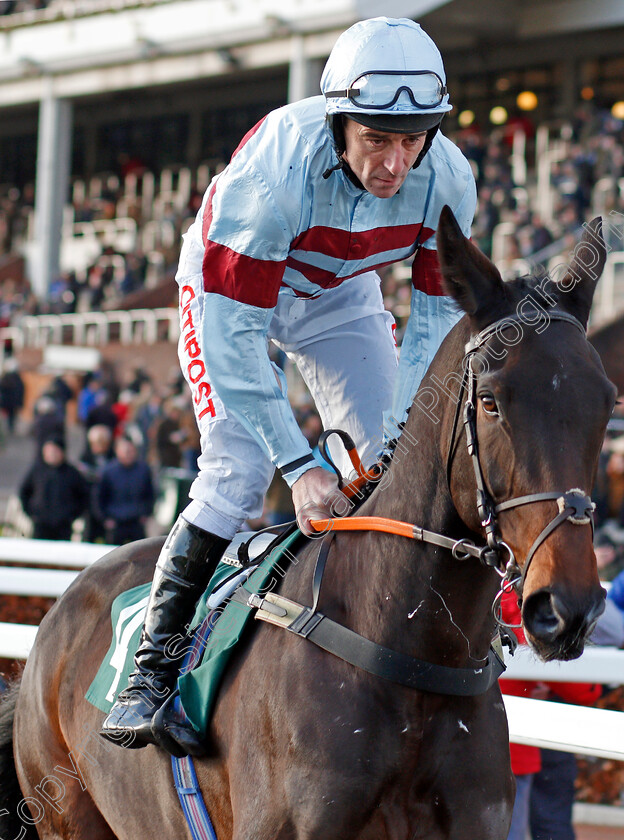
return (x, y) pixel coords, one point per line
(198, 688)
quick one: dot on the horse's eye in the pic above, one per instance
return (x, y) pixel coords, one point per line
(489, 404)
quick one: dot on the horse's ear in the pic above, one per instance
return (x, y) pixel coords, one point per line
(575, 290)
(468, 276)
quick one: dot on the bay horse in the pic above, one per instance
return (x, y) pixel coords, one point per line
(303, 745)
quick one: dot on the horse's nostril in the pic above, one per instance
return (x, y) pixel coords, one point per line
(593, 614)
(559, 607)
(558, 626)
(540, 617)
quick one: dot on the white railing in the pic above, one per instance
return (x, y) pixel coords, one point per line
(133, 326)
(16, 640)
(43, 583)
(560, 726)
(73, 555)
(603, 665)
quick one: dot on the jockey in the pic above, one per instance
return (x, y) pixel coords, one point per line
(285, 248)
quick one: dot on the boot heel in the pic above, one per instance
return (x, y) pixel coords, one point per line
(174, 733)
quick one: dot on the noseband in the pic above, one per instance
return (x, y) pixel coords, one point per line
(574, 505)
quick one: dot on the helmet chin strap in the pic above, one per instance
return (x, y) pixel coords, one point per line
(340, 147)
(344, 165)
(431, 133)
(339, 165)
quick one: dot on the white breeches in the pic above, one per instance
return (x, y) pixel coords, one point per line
(343, 346)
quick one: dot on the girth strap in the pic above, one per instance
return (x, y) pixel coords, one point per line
(376, 659)
(395, 666)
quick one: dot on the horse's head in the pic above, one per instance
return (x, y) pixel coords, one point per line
(541, 404)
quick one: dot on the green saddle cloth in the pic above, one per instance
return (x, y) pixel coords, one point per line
(199, 687)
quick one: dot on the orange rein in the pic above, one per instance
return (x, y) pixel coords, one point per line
(362, 523)
(365, 523)
(461, 549)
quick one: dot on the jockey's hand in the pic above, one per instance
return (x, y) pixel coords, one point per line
(316, 496)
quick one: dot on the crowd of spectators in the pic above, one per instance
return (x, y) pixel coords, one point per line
(591, 152)
(591, 149)
(134, 432)
(120, 264)
(10, 7)
(591, 144)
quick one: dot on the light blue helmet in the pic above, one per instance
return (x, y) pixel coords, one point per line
(388, 74)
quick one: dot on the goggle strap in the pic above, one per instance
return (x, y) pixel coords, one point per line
(345, 93)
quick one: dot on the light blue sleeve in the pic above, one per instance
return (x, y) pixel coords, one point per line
(253, 389)
(431, 318)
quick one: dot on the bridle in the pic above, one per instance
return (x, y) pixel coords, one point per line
(574, 505)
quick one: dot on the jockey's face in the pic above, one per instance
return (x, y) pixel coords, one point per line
(381, 159)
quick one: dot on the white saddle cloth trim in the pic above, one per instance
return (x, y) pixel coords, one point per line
(259, 544)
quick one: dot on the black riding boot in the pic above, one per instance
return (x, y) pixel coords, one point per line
(185, 565)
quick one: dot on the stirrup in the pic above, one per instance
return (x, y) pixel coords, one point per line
(173, 732)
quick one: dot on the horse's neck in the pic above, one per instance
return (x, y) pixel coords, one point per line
(447, 600)
(415, 488)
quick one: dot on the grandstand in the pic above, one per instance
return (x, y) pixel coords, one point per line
(116, 114)
(119, 112)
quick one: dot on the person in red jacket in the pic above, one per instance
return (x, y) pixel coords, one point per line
(526, 761)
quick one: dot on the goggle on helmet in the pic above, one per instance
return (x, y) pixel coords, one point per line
(387, 74)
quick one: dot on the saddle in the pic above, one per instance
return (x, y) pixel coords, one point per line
(250, 559)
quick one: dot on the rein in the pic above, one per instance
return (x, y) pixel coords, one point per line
(574, 505)
(460, 549)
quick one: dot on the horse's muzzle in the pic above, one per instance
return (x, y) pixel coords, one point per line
(558, 627)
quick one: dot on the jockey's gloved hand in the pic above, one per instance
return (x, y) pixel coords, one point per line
(316, 496)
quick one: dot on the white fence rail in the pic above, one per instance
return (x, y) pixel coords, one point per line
(559, 726)
(45, 583)
(16, 640)
(603, 665)
(73, 555)
(133, 326)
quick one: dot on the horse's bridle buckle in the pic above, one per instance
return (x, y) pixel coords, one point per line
(581, 505)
